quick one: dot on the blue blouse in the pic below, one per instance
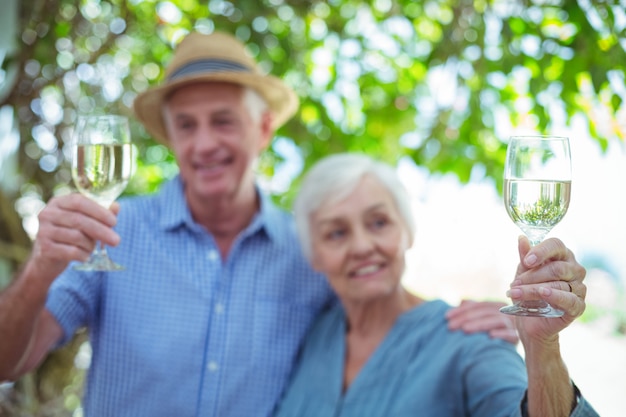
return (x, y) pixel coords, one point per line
(420, 368)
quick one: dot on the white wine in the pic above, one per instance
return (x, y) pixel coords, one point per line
(536, 206)
(102, 171)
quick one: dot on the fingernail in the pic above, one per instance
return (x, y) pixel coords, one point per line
(514, 293)
(530, 260)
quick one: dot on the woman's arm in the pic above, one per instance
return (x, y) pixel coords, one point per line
(548, 271)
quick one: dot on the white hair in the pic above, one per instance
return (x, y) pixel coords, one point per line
(333, 178)
(255, 103)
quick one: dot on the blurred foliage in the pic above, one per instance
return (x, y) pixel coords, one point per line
(440, 82)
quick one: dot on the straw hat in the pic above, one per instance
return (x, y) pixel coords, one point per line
(214, 57)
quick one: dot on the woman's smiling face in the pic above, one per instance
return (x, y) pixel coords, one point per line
(359, 242)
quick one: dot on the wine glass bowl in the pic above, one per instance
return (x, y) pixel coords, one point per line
(102, 165)
(537, 188)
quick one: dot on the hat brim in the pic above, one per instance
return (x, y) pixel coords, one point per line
(282, 101)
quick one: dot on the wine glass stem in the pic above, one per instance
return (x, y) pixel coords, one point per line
(100, 249)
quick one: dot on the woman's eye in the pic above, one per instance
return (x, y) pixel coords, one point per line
(335, 234)
(379, 223)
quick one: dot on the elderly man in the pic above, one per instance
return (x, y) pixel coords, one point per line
(215, 299)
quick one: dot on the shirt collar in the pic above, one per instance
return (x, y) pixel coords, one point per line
(175, 211)
(275, 221)
(270, 219)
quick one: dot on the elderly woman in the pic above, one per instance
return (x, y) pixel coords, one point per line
(383, 351)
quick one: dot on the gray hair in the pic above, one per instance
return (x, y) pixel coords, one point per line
(333, 178)
(255, 104)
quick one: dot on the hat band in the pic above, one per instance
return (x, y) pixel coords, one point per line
(207, 66)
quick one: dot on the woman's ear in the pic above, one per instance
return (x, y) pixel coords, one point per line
(410, 241)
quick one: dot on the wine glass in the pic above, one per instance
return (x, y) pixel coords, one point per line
(102, 164)
(537, 187)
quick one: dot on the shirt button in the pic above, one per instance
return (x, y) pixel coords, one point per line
(219, 308)
(212, 255)
(212, 366)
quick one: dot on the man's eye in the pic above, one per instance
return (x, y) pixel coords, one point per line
(224, 122)
(185, 125)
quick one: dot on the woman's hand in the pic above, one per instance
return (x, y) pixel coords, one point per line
(550, 272)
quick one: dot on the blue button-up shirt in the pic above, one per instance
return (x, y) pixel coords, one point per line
(182, 332)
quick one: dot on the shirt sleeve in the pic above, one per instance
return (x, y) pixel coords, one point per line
(73, 300)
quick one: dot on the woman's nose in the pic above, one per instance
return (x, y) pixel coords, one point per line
(361, 243)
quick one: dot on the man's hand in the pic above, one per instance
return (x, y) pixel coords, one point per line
(483, 316)
(69, 227)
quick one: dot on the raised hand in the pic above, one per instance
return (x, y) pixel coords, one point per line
(69, 227)
(548, 271)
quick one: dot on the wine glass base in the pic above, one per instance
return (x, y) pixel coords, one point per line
(99, 263)
(543, 310)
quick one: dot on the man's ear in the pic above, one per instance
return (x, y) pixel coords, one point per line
(267, 131)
